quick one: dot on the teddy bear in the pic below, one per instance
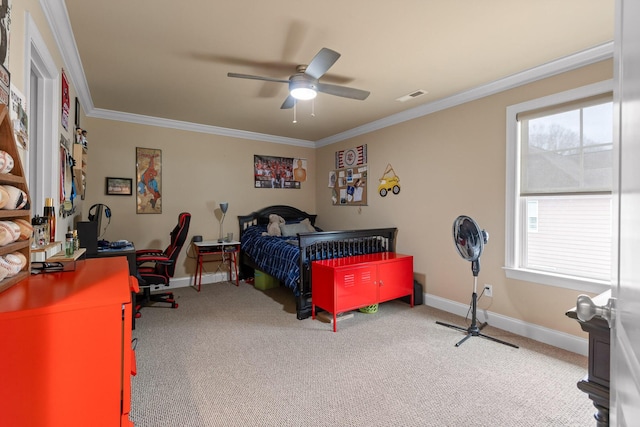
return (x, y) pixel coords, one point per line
(273, 229)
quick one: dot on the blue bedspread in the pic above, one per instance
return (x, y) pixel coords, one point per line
(275, 255)
(280, 256)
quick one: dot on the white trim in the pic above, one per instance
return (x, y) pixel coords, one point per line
(56, 14)
(194, 127)
(529, 330)
(562, 65)
(189, 281)
(557, 280)
(37, 54)
(512, 213)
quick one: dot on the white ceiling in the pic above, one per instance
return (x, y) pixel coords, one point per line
(170, 60)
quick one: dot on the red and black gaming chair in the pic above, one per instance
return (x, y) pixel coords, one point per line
(156, 267)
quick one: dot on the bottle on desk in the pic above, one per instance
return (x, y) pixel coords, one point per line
(76, 241)
(68, 248)
(50, 214)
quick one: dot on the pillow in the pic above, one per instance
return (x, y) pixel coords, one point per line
(293, 229)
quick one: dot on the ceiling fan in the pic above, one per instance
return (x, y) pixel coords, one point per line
(305, 84)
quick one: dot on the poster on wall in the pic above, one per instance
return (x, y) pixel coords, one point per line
(66, 101)
(149, 180)
(5, 26)
(278, 172)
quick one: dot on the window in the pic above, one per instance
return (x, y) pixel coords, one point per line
(559, 183)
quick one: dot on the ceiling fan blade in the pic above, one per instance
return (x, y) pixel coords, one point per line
(288, 103)
(249, 76)
(343, 91)
(322, 62)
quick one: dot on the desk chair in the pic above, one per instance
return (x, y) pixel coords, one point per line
(156, 267)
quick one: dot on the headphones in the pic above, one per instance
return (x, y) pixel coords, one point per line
(107, 212)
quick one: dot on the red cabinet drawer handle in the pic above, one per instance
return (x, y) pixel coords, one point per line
(133, 284)
(134, 367)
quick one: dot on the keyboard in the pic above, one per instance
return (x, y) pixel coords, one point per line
(119, 244)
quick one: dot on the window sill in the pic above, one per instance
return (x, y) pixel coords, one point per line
(558, 280)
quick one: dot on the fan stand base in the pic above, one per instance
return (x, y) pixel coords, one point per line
(474, 331)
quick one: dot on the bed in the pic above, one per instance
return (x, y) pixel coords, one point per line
(288, 258)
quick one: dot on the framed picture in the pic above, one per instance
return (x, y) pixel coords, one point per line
(148, 180)
(66, 102)
(77, 113)
(5, 84)
(118, 186)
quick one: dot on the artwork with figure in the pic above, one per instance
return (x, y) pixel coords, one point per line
(149, 180)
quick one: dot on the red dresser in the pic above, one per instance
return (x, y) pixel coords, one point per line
(66, 352)
(343, 284)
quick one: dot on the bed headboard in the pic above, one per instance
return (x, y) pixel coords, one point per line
(261, 217)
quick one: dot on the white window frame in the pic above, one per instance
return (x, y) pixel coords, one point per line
(513, 214)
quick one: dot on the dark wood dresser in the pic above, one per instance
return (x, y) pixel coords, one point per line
(596, 382)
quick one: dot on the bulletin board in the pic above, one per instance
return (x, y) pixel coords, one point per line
(349, 186)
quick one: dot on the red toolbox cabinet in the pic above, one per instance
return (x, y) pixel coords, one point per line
(344, 284)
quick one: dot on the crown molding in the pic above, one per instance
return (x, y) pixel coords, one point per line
(558, 66)
(55, 12)
(195, 127)
(58, 18)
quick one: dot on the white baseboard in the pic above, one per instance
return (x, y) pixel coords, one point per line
(529, 330)
(184, 282)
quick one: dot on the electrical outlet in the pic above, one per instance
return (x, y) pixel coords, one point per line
(488, 290)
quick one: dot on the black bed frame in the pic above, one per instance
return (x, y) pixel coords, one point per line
(316, 246)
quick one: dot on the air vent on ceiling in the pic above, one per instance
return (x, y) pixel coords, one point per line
(412, 95)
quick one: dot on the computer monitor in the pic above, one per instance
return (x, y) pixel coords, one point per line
(88, 236)
(98, 213)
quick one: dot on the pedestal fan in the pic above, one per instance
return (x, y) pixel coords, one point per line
(470, 240)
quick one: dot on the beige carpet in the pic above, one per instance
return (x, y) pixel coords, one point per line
(233, 356)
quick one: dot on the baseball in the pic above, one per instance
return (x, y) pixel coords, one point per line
(26, 229)
(17, 198)
(15, 264)
(4, 197)
(12, 232)
(5, 266)
(4, 271)
(6, 162)
(21, 257)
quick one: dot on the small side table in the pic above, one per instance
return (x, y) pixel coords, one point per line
(229, 252)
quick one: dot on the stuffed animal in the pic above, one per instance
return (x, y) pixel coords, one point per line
(273, 229)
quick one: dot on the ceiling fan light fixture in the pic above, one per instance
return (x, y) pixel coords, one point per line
(303, 93)
(302, 89)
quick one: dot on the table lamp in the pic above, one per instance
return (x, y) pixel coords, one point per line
(223, 207)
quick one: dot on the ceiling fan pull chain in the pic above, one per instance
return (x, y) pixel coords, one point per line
(295, 104)
(313, 107)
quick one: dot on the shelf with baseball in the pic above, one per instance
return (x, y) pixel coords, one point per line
(15, 215)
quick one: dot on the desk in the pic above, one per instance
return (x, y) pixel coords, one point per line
(129, 252)
(213, 247)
